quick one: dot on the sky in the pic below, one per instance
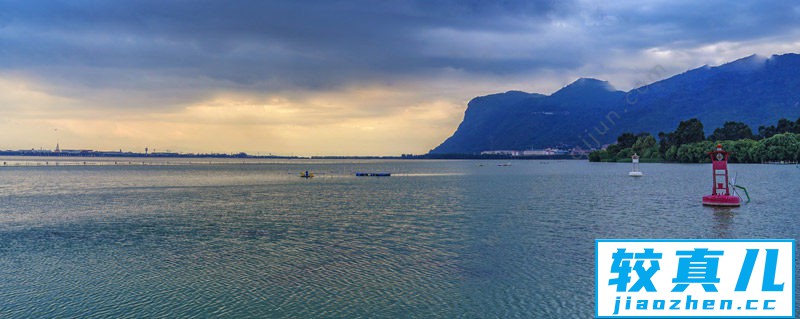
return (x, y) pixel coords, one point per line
(353, 77)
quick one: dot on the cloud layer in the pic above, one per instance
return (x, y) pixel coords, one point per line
(334, 77)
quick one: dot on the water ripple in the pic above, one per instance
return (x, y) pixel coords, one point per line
(444, 239)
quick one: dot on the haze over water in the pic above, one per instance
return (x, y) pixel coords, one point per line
(438, 239)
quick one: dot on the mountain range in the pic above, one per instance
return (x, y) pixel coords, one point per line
(589, 112)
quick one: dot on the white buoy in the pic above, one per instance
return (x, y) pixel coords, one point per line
(635, 172)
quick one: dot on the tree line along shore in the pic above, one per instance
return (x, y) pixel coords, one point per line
(688, 144)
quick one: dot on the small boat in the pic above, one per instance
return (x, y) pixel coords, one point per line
(635, 172)
(373, 174)
(505, 164)
(306, 174)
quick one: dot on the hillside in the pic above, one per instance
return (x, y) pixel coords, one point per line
(590, 112)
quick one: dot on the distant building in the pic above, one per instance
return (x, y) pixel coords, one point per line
(164, 154)
(545, 152)
(77, 152)
(501, 152)
(537, 152)
(580, 152)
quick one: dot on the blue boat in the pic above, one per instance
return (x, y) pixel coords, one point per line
(373, 174)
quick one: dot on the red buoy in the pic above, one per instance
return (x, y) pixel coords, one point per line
(720, 192)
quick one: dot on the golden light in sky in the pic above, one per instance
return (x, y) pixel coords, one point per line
(333, 78)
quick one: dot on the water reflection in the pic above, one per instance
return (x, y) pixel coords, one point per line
(723, 221)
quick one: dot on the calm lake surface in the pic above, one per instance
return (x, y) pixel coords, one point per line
(437, 239)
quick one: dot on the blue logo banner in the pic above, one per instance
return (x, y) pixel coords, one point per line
(694, 278)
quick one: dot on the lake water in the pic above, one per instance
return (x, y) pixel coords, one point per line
(437, 239)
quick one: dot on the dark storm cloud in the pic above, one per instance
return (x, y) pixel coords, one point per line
(304, 43)
(691, 23)
(275, 45)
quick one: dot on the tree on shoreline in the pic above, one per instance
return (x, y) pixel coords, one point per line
(689, 131)
(784, 126)
(687, 144)
(732, 131)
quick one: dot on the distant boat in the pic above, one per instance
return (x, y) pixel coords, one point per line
(373, 174)
(635, 172)
(504, 164)
(306, 174)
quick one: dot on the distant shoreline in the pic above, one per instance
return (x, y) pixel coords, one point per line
(93, 154)
(112, 154)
